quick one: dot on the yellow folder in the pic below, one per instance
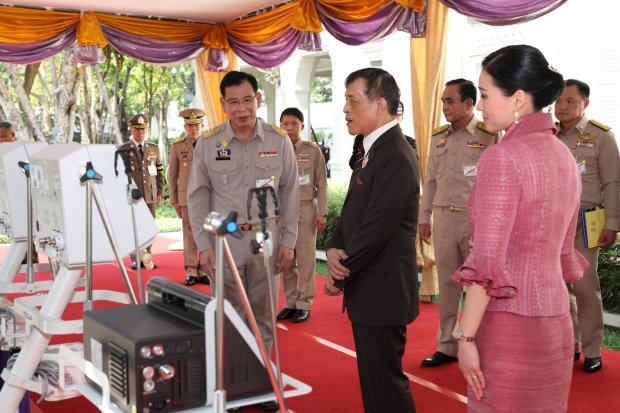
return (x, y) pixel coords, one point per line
(593, 223)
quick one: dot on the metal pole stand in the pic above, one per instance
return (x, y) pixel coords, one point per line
(220, 225)
(133, 196)
(12, 263)
(263, 244)
(93, 191)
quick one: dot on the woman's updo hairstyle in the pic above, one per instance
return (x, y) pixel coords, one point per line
(522, 67)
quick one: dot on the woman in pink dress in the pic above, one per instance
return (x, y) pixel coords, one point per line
(515, 335)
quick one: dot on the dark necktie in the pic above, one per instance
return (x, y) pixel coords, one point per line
(140, 149)
(194, 144)
(359, 157)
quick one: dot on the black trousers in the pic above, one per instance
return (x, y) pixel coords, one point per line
(385, 388)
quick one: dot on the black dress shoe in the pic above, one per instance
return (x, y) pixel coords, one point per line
(154, 265)
(592, 365)
(438, 359)
(286, 313)
(577, 356)
(301, 316)
(234, 410)
(134, 266)
(205, 280)
(271, 406)
(190, 280)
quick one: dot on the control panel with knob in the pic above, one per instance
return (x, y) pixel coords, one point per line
(166, 371)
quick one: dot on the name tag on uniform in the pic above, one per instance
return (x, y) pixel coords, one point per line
(223, 155)
(152, 170)
(582, 166)
(264, 182)
(470, 170)
(304, 179)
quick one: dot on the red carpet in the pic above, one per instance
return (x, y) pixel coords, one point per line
(319, 353)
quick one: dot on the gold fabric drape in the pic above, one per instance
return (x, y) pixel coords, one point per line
(428, 56)
(31, 25)
(209, 85)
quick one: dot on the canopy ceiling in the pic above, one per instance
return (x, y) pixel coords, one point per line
(208, 11)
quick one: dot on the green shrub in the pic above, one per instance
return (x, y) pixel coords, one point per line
(167, 224)
(335, 200)
(165, 210)
(609, 276)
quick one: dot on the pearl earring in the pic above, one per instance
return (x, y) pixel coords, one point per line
(516, 116)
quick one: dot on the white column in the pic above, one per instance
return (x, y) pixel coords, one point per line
(396, 52)
(345, 59)
(296, 85)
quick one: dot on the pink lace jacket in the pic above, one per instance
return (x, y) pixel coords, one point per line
(523, 212)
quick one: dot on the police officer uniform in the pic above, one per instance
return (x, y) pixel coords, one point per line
(223, 170)
(298, 281)
(596, 153)
(450, 177)
(146, 169)
(179, 167)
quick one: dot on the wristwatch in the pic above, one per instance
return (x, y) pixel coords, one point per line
(461, 337)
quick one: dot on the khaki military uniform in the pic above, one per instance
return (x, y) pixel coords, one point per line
(223, 170)
(179, 167)
(450, 177)
(596, 153)
(298, 281)
(149, 181)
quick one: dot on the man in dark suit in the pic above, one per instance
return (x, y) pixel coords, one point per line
(399, 118)
(369, 255)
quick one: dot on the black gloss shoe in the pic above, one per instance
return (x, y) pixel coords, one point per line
(271, 406)
(190, 280)
(577, 356)
(234, 410)
(154, 265)
(301, 316)
(134, 266)
(592, 365)
(438, 359)
(286, 313)
(205, 280)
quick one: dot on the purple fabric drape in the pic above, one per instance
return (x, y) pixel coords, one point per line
(28, 53)
(88, 55)
(378, 26)
(274, 52)
(152, 51)
(503, 12)
(217, 61)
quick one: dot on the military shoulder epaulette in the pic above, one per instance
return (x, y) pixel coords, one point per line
(483, 127)
(151, 143)
(439, 129)
(279, 130)
(210, 132)
(314, 145)
(600, 125)
(179, 140)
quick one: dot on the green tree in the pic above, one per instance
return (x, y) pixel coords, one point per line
(321, 90)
